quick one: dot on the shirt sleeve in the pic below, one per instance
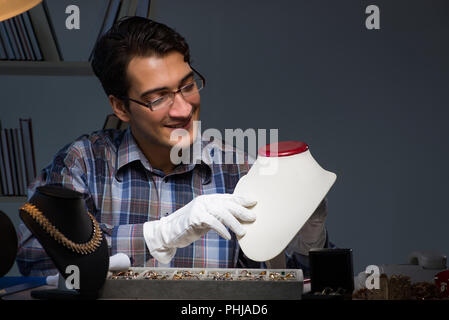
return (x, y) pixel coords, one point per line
(127, 239)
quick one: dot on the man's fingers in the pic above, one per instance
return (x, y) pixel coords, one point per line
(241, 212)
(244, 201)
(226, 217)
(218, 226)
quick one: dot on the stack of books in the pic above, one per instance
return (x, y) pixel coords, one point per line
(113, 122)
(17, 159)
(31, 36)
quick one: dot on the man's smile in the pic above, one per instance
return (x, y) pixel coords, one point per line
(181, 125)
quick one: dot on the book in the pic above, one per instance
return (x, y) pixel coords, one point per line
(124, 8)
(27, 171)
(109, 19)
(5, 164)
(11, 160)
(111, 14)
(2, 185)
(16, 36)
(2, 168)
(25, 42)
(6, 42)
(123, 125)
(32, 36)
(76, 45)
(149, 9)
(18, 159)
(3, 55)
(52, 28)
(28, 150)
(13, 38)
(143, 8)
(132, 7)
(15, 163)
(111, 122)
(44, 35)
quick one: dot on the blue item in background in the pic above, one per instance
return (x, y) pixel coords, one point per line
(9, 285)
(6, 282)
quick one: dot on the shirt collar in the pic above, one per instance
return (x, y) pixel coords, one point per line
(128, 152)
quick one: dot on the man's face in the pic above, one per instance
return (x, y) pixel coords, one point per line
(151, 77)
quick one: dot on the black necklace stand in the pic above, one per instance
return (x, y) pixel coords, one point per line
(65, 210)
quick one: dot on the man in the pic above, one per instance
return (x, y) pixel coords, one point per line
(156, 212)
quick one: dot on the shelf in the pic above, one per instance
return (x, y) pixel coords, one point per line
(46, 68)
(12, 199)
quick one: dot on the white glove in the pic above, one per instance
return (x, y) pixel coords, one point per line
(119, 262)
(191, 222)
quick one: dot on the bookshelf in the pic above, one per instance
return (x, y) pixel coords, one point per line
(46, 68)
(12, 199)
(29, 43)
(29, 46)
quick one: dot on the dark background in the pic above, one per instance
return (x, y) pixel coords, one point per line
(371, 104)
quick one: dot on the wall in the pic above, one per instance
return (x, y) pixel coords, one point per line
(372, 105)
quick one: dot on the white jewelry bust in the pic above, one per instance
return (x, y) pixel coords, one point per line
(288, 185)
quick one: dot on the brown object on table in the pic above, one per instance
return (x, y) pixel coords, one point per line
(426, 291)
(396, 288)
(374, 294)
(399, 287)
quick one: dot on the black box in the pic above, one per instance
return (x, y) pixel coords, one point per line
(331, 274)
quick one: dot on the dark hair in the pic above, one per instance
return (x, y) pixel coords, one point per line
(130, 37)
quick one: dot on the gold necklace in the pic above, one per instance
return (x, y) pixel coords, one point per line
(81, 248)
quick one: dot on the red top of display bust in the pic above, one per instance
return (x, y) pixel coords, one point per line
(284, 148)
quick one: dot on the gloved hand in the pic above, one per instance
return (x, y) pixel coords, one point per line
(191, 222)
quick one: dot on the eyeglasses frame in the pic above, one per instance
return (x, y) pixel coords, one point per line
(148, 105)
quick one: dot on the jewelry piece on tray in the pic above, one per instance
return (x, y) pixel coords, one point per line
(247, 275)
(125, 275)
(276, 276)
(225, 274)
(153, 275)
(185, 274)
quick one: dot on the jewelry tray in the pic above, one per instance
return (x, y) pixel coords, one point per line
(207, 283)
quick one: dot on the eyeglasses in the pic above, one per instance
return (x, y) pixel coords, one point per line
(165, 99)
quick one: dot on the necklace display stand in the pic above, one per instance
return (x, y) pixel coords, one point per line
(288, 185)
(58, 218)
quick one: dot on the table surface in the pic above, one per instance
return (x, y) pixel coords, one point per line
(26, 294)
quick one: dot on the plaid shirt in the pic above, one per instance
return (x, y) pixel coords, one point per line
(123, 192)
